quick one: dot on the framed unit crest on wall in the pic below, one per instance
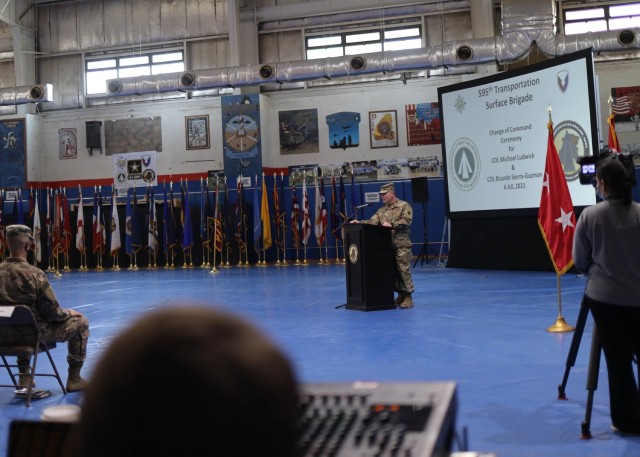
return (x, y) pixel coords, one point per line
(197, 132)
(383, 129)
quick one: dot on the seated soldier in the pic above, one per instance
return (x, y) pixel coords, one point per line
(24, 284)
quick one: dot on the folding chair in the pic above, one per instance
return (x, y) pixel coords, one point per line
(24, 341)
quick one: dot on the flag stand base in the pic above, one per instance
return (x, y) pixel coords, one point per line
(560, 326)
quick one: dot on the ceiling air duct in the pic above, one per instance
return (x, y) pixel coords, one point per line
(524, 24)
(26, 94)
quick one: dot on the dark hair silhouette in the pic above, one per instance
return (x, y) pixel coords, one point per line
(190, 381)
(614, 174)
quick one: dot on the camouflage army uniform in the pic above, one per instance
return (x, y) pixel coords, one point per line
(399, 215)
(24, 284)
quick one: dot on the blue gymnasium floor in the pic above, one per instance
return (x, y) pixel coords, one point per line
(486, 330)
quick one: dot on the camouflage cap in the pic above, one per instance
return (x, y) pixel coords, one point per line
(18, 231)
(386, 188)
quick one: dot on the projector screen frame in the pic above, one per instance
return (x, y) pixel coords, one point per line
(591, 131)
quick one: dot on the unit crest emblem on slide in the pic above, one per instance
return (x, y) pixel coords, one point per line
(464, 164)
(572, 143)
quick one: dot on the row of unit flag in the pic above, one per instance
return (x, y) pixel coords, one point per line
(223, 226)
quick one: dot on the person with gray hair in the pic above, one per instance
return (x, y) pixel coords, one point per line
(188, 380)
(24, 284)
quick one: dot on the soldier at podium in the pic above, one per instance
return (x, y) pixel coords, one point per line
(398, 215)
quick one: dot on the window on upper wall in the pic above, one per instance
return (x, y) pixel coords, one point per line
(99, 69)
(601, 17)
(319, 46)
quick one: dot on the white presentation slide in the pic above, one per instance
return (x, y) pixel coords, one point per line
(495, 135)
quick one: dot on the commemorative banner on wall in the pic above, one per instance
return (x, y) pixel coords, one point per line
(299, 131)
(242, 142)
(13, 154)
(423, 124)
(344, 130)
(135, 168)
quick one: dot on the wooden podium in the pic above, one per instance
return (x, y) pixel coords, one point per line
(370, 267)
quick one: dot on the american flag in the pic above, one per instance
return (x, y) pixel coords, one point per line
(320, 213)
(240, 215)
(295, 218)
(80, 237)
(116, 239)
(306, 219)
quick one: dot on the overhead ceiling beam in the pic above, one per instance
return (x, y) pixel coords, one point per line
(4, 18)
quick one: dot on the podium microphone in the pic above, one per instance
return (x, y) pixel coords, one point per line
(363, 206)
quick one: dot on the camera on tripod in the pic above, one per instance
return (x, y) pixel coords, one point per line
(589, 164)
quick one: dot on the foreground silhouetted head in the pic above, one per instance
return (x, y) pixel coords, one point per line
(187, 381)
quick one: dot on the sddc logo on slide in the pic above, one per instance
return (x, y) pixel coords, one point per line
(464, 164)
(572, 143)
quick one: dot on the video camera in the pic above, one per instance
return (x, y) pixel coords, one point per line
(588, 165)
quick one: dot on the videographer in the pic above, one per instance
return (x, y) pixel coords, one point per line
(607, 247)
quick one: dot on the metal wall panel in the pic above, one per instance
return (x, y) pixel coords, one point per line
(91, 27)
(281, 46)
(103, 24)
(6, 37)
(205, 18)
(7, 74)
(457, 26)
(65, 73)
(116, 19)
(64, 36)
(208, 54)
(174, 23)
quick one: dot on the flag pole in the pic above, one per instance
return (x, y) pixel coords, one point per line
(283, 215)
(83, 252)
(67, 243)
(305, 201)
(59, 245)
(203, 211)
(261, 250)
(555, 170)
(50, 212)
(213, 268)
(244, 232)
(215, 231)
(276, 218)
(115, 264)
(560, 325)
(203, 221)
(99, 255)
(315, 209)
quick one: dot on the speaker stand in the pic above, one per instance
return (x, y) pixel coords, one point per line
(423, 256)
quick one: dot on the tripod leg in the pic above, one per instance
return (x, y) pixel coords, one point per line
(422, 256)
(592, 382)
(573, 350)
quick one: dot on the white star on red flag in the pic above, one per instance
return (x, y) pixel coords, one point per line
(565, 219)
(556, 231)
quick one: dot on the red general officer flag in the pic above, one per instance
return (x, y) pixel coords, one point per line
(556, 218)
(612, 141)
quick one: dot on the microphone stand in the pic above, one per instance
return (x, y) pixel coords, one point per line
(347, 220)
